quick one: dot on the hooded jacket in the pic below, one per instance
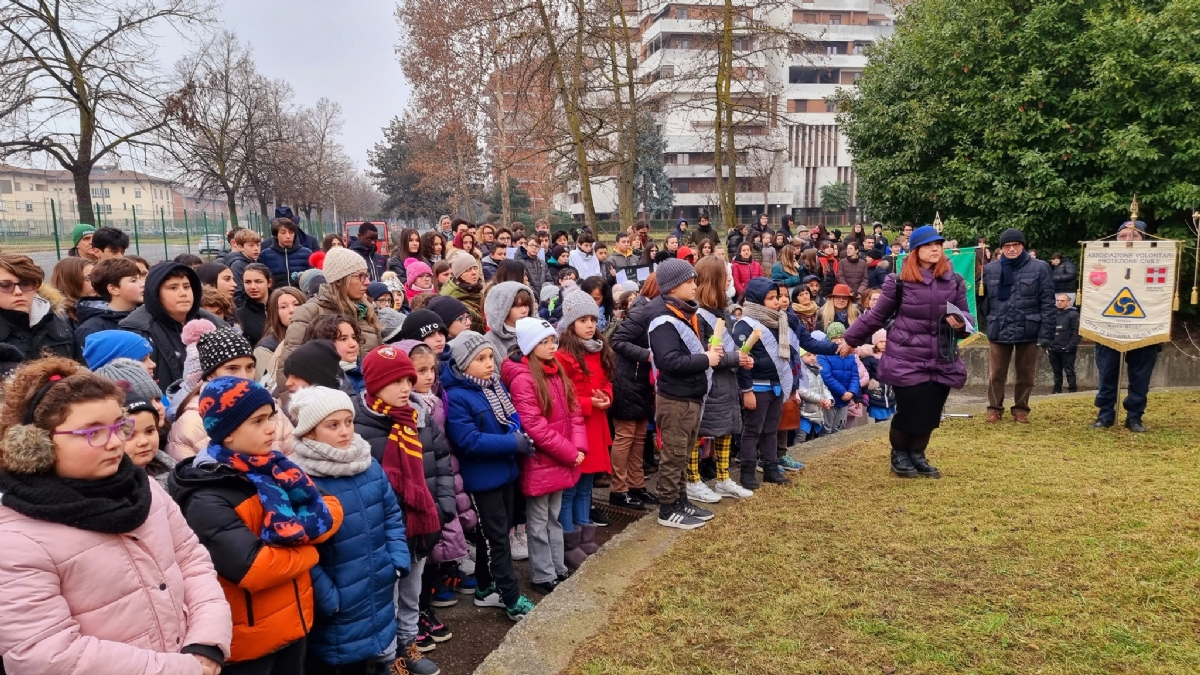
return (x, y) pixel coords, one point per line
(536, 268)
(269, 588)
(764, 366)
(306, 240)
(89, 603)
(237, 262)
(45, 327)
(285, 264)
(486, 451)
(94, 316)
(633, 395)
(376, 263)
(559, 436)
(165, 334)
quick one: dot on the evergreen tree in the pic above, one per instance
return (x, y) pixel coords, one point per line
(650, 182)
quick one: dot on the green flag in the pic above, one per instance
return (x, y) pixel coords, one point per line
(963, 262)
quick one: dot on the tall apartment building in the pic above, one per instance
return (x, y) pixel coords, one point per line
(798, 147)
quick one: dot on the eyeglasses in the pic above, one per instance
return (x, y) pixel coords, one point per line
(1012, 245)
(465, 318)
(360, 277)
(6, 287)
(98, 437)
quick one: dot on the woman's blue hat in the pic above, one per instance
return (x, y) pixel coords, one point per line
(926, 234)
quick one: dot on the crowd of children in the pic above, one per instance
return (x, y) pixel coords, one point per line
(350, 440)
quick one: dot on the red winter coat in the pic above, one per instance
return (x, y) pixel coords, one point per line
(599, 438)
(743, 272)
(558, 437)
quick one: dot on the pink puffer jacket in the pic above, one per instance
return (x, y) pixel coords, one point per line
(558, 437)
(85, 603)
(187, 436)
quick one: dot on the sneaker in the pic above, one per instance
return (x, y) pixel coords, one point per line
(520, 608)
(789, 464)
(759, 467)
(488, 597)
(424, 642)
(443, 597)
(701, 493)
(467, 567)
(644, 496)
(695, 511)
(598, 518)
(456, 581)
(728, 488)
(518, 543)
(545, 587)
(411, 662)
(672, 515)
(429, 624)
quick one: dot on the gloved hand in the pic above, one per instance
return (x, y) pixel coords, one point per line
(1044, 344)
(524, 444)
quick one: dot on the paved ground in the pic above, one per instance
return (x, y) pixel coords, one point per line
(47, 259)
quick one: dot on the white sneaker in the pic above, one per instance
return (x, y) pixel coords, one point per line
(701, 493)
(728, 488)
(518, 543)
(466, 566)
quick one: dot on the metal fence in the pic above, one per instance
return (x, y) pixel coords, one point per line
(41, 232)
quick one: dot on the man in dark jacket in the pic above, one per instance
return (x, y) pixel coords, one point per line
(172, 299)
(285, 256)
(703, 231)
(306, 240)
(1021, 318)
(683, 357)
(877, 268)
(31, 317)
(734, 241)
(119, 287)
(364, 245)
(1066, 279)
(535, 267)
(1066, 342)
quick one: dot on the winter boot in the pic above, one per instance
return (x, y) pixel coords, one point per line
(924, 469)
(902, 466)
(750, 477)
(572, 554)
(587, 540)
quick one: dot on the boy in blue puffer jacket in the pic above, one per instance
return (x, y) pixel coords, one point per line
(355, 623)
(485, 434)
(840, 374)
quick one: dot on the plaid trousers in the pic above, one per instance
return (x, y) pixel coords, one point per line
(722, 446)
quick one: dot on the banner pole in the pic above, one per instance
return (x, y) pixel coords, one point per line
(1119, 404)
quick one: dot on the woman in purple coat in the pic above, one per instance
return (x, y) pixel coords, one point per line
(921, 361)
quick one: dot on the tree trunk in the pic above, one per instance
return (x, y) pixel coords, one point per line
(81, 175)
(464, 186)
(626, 118)
(231, 200)
(505, 198)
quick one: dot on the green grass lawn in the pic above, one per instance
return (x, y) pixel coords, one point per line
(1048, 548)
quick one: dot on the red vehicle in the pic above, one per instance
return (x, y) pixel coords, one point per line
(381, 246)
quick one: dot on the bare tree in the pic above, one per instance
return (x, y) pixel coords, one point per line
(90, 82)
(270, 132)
(221, 102)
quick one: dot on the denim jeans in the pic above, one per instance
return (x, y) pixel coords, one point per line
(577, 504)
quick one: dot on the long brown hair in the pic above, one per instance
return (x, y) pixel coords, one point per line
(400, 244)
(787, 258)
(809, 258)
(910, 271)
(67, 277)
(275, 325)
(349, 307)
(572, 344)
(710, 284)
(537, 370)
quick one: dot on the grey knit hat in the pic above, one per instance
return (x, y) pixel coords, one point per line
(133, 372)
(499, 301)
(221, 346)
(465, 347)
(630, 286)
(549, 292)
(672, 272)
(576, 305)
(391, 321)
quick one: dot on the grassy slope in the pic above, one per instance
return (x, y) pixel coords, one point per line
(1049, 548)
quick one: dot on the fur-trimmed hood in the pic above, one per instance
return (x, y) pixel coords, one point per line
(47, 300)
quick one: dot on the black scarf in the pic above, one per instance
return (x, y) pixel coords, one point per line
(1007, 274)
(113, 505)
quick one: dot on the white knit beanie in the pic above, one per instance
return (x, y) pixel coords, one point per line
(531, 331)
(575, 305)
(341, 263)
(310, 405)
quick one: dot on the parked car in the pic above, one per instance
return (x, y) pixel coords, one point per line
(213, 243)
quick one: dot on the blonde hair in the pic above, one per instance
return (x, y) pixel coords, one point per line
(828, 313)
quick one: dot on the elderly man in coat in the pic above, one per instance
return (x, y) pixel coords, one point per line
(1021, 318)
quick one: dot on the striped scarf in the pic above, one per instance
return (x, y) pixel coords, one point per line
(497, 398)
(404, 464)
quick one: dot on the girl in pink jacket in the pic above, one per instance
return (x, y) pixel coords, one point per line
(102, 575)
(550, 415)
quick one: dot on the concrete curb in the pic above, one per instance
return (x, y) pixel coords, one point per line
(544, 642)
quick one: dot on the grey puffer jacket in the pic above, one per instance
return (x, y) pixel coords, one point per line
(1029, 313)
(723, 407)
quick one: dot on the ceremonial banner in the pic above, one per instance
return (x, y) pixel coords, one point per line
(1128, 292)
(963, 262)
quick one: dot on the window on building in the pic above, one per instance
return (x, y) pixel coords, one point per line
(681, 186)
(3, 206)
(835, 19)
(832, 49)
(137, 193)
(681, 12)
(101, 192)
(858, 49)
(6, 187)
(810, 18)
(827, 77)
(682, 43)
(830, 106)
(122, 189)
(28, 207)
(741, 44)
(857, 76)
(753, 74)
(681, 158)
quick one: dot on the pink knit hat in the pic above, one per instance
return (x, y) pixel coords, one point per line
(879, 336)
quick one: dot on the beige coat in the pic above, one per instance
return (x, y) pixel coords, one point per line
(322, 303)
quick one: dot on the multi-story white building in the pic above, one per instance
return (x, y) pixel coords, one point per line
(794, 144)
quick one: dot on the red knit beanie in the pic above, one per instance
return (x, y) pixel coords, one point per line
(385, 365)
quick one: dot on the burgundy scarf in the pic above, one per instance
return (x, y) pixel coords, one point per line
(404, 464)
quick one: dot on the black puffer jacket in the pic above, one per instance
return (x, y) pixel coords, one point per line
(94, 316)
(1066, 277)
(633, 397)
(1028, 314)
(165, 334)
(439, 476)
(44, 328)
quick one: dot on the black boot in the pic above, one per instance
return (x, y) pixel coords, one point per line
(750, 478)
(901, 465)
(924, 469)
(1135, 425)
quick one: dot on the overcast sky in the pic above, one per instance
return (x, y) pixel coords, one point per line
(340, 50)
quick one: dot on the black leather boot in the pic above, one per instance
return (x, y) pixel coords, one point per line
(750, 478)
(901, 465)
(924, 469)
